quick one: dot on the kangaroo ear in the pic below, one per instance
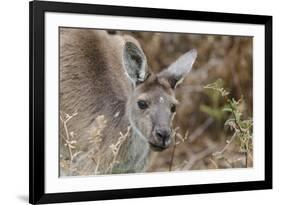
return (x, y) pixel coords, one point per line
(135, 63)
(177, 71)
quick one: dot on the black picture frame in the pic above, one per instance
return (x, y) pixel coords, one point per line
(37, 9)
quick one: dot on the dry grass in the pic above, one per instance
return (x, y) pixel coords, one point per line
(208, 144)
(82, 163)
(225, 57)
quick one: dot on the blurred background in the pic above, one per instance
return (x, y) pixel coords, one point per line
(200, 117)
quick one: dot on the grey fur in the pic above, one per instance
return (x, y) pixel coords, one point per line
(96, 74)
(93, 83)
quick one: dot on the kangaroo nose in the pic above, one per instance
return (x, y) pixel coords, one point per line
(164, 134)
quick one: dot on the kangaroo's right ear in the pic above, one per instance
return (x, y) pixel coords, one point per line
(135, 63)
(177, 71)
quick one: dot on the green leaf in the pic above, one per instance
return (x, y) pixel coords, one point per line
(227, 109)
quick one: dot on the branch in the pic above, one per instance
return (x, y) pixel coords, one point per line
(200, 130)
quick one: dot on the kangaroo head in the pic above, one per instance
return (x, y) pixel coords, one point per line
(152, 104)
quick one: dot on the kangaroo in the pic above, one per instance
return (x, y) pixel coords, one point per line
(107, 75)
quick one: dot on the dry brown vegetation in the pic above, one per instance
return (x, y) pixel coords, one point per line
(209, 143)
(209, 133)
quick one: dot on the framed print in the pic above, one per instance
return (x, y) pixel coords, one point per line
(140, 102)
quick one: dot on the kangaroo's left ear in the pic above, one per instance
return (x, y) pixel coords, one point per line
(177, 71)
(134, 63)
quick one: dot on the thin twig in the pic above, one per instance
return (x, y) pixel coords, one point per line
(173, 154)
(214, 163)
(198, 156)
(226, 146)
(174, 148)
(116, 148)
(235, 118)
(246, 159)
(67, 134)
(241, 130)
(198, 132)
(97, 166)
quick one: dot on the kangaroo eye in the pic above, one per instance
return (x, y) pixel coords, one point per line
(142, 104)
(173, 108)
